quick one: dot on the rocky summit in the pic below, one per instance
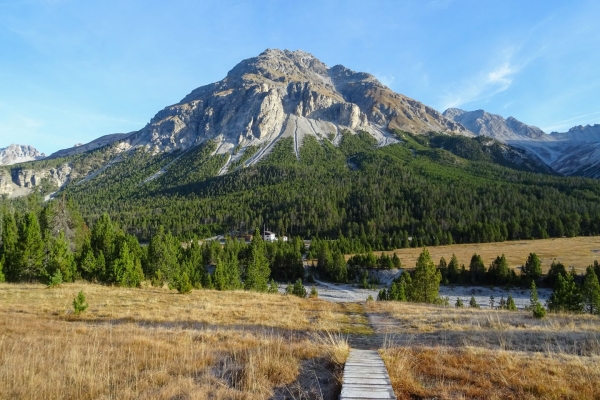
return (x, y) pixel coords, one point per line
(282, 94)
(576, 152)
(18, 153)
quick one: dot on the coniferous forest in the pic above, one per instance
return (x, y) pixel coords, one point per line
(353, 198)
(369, 196)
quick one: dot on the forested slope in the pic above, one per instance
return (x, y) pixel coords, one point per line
(380, 195)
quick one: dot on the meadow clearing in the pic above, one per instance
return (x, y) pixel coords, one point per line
(578, 252)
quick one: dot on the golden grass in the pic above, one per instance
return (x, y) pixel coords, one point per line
(475, 373)
(578, 252)
(153, 343)
(448, 353)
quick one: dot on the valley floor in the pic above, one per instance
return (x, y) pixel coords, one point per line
(155, 343)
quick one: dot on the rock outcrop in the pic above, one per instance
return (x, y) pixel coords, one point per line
(18, 153)
(286, 94)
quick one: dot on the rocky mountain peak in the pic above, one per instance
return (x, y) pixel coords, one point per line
(483, 123)
(17, 153)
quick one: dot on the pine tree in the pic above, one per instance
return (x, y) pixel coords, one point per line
(459, 303)
(453, 270)
(2, 277)
(257, 272)
(510, 303)
(477, 269)
(182, 283)
(591, 291)
(536, 307)
(557, 268)
(79, 303)
(443, 268)
(499, 272)
(89, 265)
(30, 249)
(60, 259)
(473, 302)
(566, 296)
(103, 239)
(127, 271)
(220, 276)
(273, 289)
(163, 255)
(426, 282)
(532, 270)
(299, 289)
(9, 255)
(396, 261)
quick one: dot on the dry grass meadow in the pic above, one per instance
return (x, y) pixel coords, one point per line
(578, 252)
(154, 343)
(448, 353)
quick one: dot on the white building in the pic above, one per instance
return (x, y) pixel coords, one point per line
(269, 236)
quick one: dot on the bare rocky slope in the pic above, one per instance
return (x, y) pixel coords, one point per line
(576, 152)
(18, 153)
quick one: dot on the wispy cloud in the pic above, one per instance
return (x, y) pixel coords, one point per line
(568, 123)
(483, 86)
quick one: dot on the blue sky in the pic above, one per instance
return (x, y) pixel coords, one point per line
(74, 70)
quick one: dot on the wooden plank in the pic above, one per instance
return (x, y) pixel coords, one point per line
(365, 377)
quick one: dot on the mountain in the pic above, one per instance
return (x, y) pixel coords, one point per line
(279, 94)
(283, 94)
(18, 153)
(287, 142)
(482, 123)
(93, 145)
(572, 153)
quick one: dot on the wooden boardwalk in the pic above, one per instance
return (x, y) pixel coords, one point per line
(365, 377)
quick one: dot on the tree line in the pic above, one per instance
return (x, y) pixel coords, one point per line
(571, 292)
(52, 244)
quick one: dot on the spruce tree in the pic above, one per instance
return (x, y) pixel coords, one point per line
(557, 268)
(536, 307)
(426, 282)
(220, 276)
(30, 249)
(510, 303)
(473, 302)
(127, 271)
(477, 269)
(257, 272)
(453, 270)
(60, 259)
(591, 291)
(532, 270)
(79, 303)
(566, 296)
(9, 255)
(163, 255)
(499, 273)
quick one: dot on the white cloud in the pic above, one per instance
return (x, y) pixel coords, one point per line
(483, 86)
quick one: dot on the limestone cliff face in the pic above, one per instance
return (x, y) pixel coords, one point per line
(284, 93)
(20, 181)
(18, 153)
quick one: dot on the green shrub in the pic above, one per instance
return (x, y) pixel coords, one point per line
(314, 294)
(79, 303)
(298, 289)
(459, 303)
(56, 279)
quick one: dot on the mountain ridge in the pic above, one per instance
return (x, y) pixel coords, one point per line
(562, 152)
